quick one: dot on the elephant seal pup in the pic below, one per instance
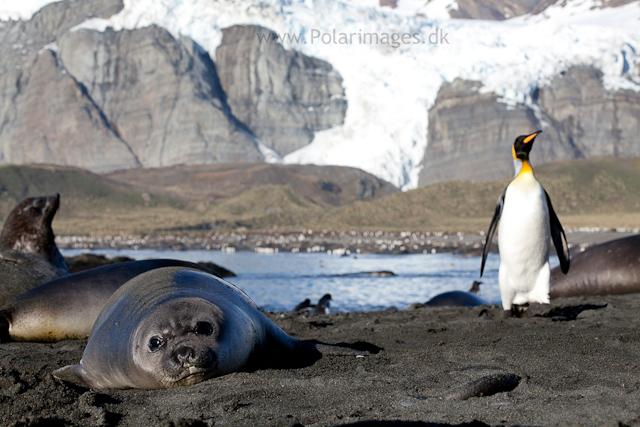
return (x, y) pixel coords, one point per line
(28, 229)
(456, 299)
(173, 327)
(66, 308)
(609, 268)
(20, 272)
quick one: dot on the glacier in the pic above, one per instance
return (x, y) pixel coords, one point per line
(390, 89)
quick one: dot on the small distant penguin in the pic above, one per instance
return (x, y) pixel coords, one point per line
(321, 308)
(323, 305)
(527, 223)
(28, 230)
(475, 287)
(303, 306)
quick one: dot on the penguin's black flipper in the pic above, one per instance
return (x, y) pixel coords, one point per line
(492, 229)
(559, 239)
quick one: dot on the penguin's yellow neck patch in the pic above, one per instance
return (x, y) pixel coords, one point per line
(526, 169)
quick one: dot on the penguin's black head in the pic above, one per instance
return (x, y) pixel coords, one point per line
(523, 144)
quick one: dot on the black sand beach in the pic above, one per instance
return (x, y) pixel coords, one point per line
(578, 360)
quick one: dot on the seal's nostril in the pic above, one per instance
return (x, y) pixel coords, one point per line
(184, 353)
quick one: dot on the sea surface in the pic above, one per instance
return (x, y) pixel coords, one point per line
(279, 281)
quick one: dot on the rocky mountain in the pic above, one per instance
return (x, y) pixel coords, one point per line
(45, 114)
(107, 86)
(505, 9)
(283, 96)
(580, 118)
(143, 98)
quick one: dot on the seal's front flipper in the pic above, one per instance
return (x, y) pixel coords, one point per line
(76, 374)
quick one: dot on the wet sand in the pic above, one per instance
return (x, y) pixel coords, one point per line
(579, 360)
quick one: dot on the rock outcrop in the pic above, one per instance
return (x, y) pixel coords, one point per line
(160, 94)
(591, 120)
(112, 100)
(496, 9)
(283, 96)
(504, 9)
(470, 133)
(43, 110)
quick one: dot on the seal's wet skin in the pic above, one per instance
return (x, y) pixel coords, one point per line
(455, 299)
(67, 307)
(606, 269)
(172, 327)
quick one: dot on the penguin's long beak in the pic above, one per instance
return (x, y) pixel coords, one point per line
(530, 138)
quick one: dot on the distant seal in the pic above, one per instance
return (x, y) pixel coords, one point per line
(28, 229)
(456, 299)
(605, 269)
(173, 327)
(20, 272)
(67, 307)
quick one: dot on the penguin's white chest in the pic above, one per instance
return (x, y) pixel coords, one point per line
(523, 234)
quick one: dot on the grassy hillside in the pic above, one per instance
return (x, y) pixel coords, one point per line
(324, 185)
(90, 204)
(600, 192)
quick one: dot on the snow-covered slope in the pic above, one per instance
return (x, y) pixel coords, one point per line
(390, 89)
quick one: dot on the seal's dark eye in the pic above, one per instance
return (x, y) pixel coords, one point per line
(155, 343)
(203, 328)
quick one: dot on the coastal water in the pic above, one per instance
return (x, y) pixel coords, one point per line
(278, 282)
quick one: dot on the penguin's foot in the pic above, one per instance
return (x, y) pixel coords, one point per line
(518, 310)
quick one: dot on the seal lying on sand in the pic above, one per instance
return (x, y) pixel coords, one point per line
(20, 272)
(28, 229)
(605, 269)
(172, 327)
(66, 308)
(458, 298)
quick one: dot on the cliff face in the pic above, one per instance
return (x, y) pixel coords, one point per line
(146, 98)
(162, 95)
(496, 9)
(282, 95)
(470, 134)
(591, 120)
(504, 9)
(45, 115)
(142, 98)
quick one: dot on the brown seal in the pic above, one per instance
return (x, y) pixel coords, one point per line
(28, 230)
(21, 272)
(605, 269)
(67, 307)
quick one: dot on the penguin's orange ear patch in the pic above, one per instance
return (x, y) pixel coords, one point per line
(530, 137)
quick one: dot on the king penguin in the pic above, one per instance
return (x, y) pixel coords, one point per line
(527, 224)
